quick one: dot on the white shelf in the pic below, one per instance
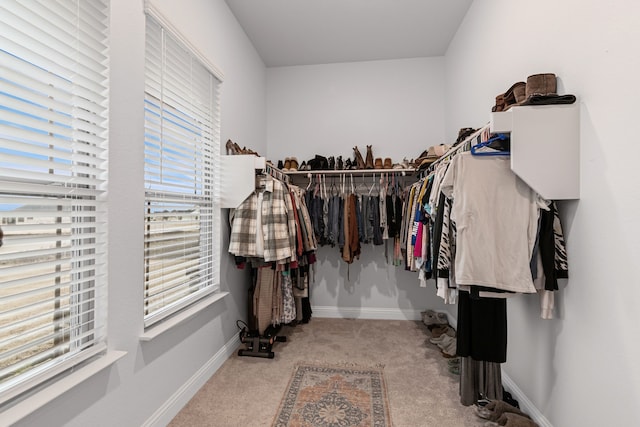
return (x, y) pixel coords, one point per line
(238, 178)
(545, 147)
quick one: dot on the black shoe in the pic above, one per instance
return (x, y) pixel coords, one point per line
(339, 164)
(323, 163)
(280, 164)
(332, 163)
(347, 165)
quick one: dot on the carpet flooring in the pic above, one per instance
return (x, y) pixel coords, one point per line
(248, 391)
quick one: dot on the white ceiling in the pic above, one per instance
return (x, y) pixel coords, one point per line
(305, 32)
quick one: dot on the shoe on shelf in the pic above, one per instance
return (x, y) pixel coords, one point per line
(378, 163)
(231, 149)
(369, 161)
(388, 164)
(339, 163)
(303, 166)
(347, 164)
(322, 162)
(359, 161)
(280, 165)
(332, 163)
(293, 164)
(287, 164)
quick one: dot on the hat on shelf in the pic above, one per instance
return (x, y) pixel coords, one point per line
(432, 154)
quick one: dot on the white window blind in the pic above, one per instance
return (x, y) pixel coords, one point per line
(181, 150)
(53, 142)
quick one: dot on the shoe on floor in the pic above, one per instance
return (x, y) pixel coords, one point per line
(509, 419)
(431, 317)
(438, 330)
(496, 408)
(444, 338)
(450, 350)
(454, 362)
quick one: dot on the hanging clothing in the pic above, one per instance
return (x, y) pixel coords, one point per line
(288, 313)
(482, 328)
(492, 208)
(278, 228)
(479, 380)
(351, 249)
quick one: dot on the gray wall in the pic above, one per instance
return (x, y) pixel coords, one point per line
(580, 369)
(156, 378)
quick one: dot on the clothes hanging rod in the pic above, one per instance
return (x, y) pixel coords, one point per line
(359, 172)
(458, 147)
(276, 173)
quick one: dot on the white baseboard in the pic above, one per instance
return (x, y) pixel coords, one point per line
(181, 397)
(365, 313)
(525, 404)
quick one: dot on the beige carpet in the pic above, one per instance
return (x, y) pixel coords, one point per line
(247, 391)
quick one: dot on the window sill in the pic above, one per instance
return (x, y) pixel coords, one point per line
(29, 405)
(183, 316)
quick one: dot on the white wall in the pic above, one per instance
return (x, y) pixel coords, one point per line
(397, 107)
(580, 369)
(143, 386)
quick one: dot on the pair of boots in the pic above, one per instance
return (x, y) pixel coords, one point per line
(360, 162)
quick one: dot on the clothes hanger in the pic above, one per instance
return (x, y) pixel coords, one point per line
(324, 187)
(373, 183)
(334, 190)
(498, 137)
(310, 176)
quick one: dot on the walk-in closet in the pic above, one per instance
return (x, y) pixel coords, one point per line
(310, 213)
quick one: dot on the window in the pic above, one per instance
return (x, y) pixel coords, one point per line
(53, 142)
(181, 149)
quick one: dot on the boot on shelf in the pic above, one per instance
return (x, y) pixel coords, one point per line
(369, 161)
(339, 164)
(359, 160)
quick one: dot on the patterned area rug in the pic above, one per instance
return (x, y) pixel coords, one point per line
(334, 396)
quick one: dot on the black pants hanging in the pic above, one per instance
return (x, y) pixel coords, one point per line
(482, 328)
